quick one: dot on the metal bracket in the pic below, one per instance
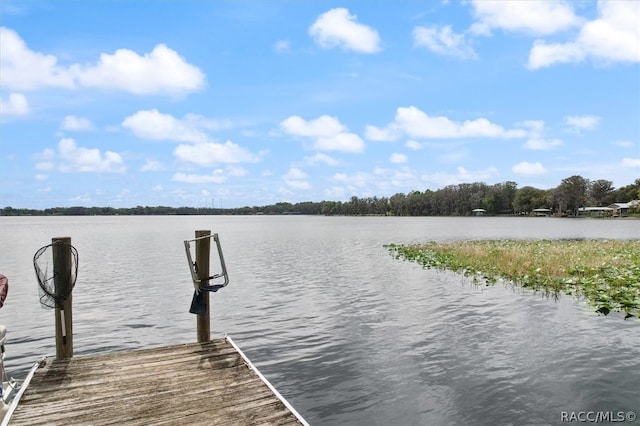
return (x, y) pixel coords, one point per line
(202, 284)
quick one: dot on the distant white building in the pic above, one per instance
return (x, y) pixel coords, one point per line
(596, 211)
(623, 209)
(541, 212)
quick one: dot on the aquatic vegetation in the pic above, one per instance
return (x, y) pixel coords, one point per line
(606, 273)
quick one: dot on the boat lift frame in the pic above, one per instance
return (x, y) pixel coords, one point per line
(202, 284)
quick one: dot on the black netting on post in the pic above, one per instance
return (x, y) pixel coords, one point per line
(43, 265)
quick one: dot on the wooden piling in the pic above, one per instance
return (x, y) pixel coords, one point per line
(62, 279)
(203, 251)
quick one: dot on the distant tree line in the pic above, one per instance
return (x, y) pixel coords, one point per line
(452, 200)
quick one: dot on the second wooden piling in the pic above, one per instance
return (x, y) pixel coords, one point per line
(203, 251)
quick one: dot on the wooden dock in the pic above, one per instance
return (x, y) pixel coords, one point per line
(209, 383)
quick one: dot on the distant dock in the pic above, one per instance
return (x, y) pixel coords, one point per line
(206, 383)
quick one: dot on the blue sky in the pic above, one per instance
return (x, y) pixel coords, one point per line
(200, 103)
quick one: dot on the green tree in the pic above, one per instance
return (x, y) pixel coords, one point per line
(499, 198)
(628, 193)
(571, 194)
(599, 192)
(528, 198)
(397, 204)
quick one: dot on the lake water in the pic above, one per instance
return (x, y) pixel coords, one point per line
(349, 335)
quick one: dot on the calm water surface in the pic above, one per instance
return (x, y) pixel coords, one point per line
(346, 333)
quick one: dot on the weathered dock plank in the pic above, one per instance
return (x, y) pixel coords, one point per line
(208, 383)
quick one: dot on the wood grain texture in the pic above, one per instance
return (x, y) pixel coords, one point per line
(192, 384)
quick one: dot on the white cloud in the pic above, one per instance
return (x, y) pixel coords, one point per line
(237, 171)
(536, 127)
(526, 168)
(481, 127)
(298, 184)
(152, 124)
(345, 142)
(321, 158)
(335, 193)
(47, 154)
(76, 124)
(16, 105)
(613, 37)
(341, 177)
(474, 176)
(326, 132)
(355, 181)
(374, 133)
(282, 46)
(582, 122)
(79, 159)
(542, 144)
(404, 179)
(624, 144)
(82, 199)
(413, 145)
(532, 17)
(210, 153)
(72, 158)
(462, 175)
(537, 140)
(23, 69)
(216, 177)
(631, 162)
(398, 158)
(543, 54)
(443, 41)
(198, 121)
(338, 28)
(295, 173)
(151, 166)
(162, 70)
(418, 125)
(322, 126)
(296, 178)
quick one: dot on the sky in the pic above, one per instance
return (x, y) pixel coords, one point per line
(249, 103)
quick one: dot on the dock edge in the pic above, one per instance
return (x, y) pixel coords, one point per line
(23, 388)
(265, 381)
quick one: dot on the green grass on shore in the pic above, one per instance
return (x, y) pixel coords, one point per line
(605, 273)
